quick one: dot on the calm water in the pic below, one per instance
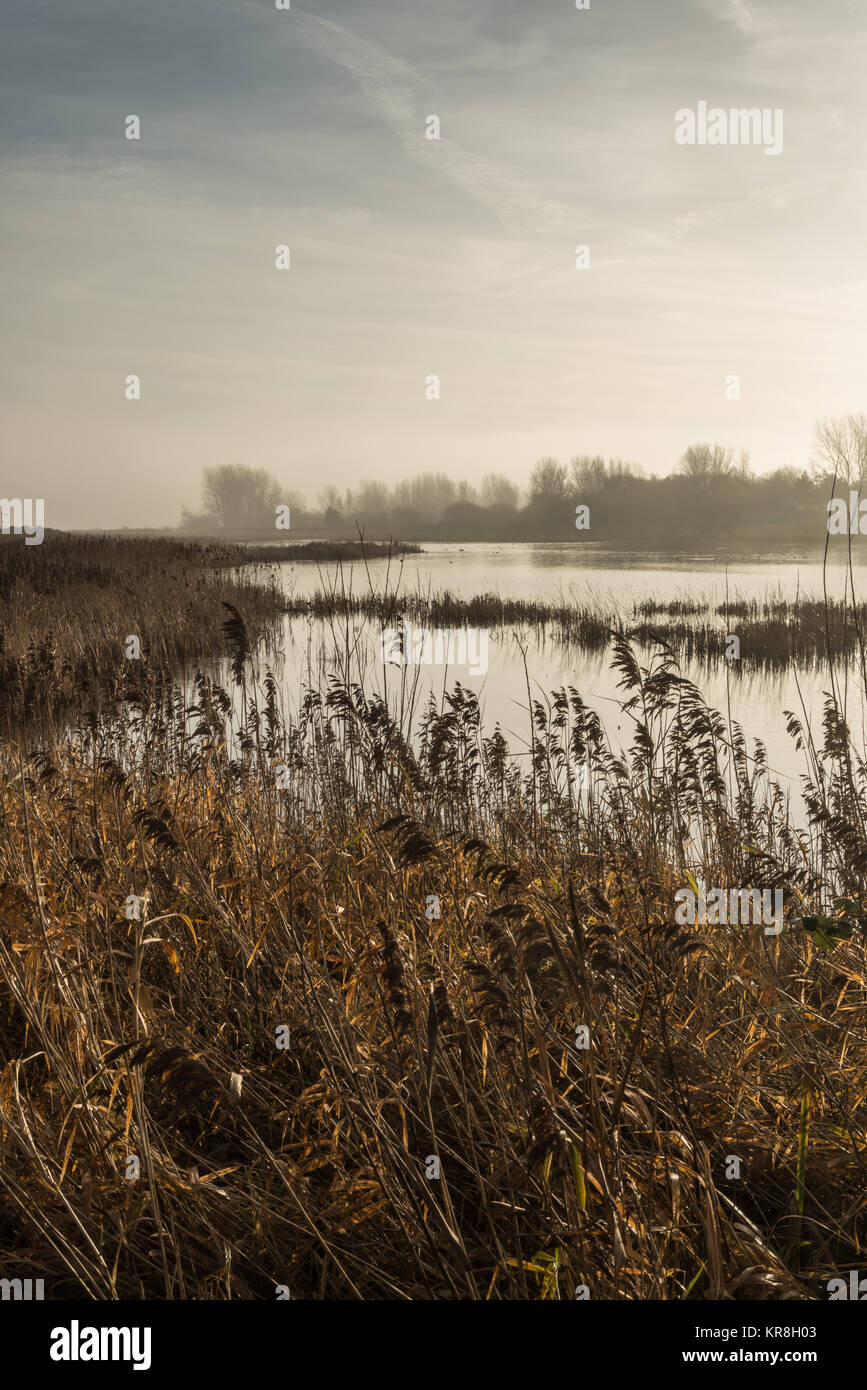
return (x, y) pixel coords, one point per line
(560, 572)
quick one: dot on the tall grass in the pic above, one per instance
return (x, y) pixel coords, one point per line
(289, 871)
(68, 606)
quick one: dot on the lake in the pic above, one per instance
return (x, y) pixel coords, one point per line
(557, 572)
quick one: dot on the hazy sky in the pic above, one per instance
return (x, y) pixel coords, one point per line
(412, 256)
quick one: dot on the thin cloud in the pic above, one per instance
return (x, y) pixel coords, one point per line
(734, 12)
(394, 90)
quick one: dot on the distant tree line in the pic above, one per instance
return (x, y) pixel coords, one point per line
(713, 500)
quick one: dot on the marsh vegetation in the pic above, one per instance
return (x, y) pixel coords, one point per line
(285, 870)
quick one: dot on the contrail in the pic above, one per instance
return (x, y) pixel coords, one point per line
(393, 89)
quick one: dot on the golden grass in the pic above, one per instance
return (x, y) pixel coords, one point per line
(412, 1035)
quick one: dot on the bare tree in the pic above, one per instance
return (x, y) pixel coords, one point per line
(712, 461)
(497, 491)
(841, 448)
(235, 495)
(329, 499)
(590, 474)
(549, 480)
(465, 493)
(431, 493)
(369, 499)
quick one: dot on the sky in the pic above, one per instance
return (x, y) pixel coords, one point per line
(413, 257)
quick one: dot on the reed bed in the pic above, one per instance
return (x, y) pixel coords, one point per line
(68, 606)
(774, 633)
(325, 552)
(431, 916)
